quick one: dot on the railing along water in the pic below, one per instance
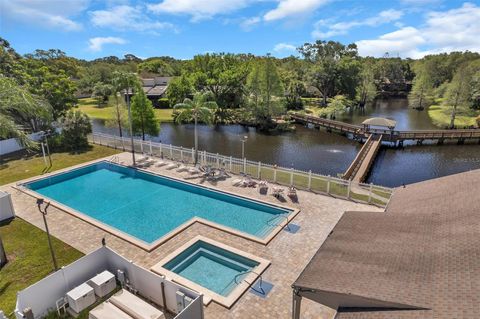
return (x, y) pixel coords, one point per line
(304, 180)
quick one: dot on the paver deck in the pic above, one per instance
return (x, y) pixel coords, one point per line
(288, 252)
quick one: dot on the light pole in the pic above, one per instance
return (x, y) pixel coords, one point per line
(244, 139)
(130, 122)
(40, 202)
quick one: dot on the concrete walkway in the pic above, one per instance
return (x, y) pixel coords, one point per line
(289, 252)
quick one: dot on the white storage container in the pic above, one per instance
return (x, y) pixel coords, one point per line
(103, 283)
(6, 207)
(81, 297)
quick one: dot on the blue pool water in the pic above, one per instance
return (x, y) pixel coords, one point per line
(148, 206)
(211, 267)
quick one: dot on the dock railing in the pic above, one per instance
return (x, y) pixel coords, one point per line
(304, 180)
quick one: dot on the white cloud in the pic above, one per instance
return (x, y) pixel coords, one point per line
(452, 30)
(249, 23)
(96, 44)
(341, 28)
(198, 9)
(49, 13)
(288, 8)
(126, 17)
(282, 47)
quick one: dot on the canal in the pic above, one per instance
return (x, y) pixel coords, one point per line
(331, 153)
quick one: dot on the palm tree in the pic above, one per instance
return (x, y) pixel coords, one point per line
(201, 108)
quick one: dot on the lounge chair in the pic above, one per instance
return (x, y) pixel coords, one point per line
(161, 163)
(237, 182)
(194, 170)
(277, 192)
(134, 306)
(171, 166)
(106, 310)
(249, 182)
(263, 187)
(182, 168)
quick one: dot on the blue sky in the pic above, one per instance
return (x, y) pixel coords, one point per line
(182, 28)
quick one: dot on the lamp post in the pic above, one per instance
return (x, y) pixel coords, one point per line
(40, 202)
(244, 139)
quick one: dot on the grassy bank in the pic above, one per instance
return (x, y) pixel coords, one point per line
(21, 165)
(29, 259)
(91, 108)
(441, 115)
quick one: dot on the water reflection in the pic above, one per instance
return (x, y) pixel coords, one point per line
(330, 153)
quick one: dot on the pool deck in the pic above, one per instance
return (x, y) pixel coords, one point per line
(289, 252)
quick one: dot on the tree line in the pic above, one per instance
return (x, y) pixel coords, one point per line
(41, 88)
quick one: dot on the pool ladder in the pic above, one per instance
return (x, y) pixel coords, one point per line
(279, 216)
(114, 159)
(250, 284)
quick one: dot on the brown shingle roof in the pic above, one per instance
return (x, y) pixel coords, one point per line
(423, 252)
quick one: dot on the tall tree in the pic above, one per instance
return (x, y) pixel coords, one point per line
(458, 92)
(143, 115)
(327, 65)
(201, 108)
(179, 89)
(222, 74)
(51, 83)
(102, 91)
(21, 111)
(266, 92)
(420, 95)
(366, 89)
(120, 83)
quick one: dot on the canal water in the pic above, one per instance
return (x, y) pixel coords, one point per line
(331, 153)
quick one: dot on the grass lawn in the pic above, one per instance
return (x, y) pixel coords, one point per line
(91, 108)
(441, 117)
(29, 259)
(20, 166)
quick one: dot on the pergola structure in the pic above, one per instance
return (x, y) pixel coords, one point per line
(379, 121)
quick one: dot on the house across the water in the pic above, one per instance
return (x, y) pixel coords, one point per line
(156, 88)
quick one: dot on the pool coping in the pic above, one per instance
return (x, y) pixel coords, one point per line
(149, 247)
(210, 295)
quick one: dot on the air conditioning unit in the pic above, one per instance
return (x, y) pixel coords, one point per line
(180, 296)
(103, 283)
(81, 297)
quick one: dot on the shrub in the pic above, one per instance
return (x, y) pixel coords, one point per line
(163, 103)
(75, 127)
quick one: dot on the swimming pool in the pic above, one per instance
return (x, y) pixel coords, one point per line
(211, 267)
(220, 272)
(148, 206)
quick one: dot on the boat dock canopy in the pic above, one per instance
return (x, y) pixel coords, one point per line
(380, 121)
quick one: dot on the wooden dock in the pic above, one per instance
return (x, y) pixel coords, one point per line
(389, 135)
(358, 170)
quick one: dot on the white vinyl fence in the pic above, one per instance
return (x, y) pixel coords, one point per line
(41, 296)
(13, 145)
(306, 180)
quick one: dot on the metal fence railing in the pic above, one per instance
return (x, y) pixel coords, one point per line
(305, 180)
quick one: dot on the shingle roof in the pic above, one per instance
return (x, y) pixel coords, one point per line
(423, 252)
(380, 121)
